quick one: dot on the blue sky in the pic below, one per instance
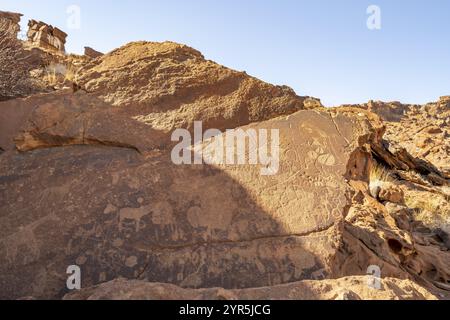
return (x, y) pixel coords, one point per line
(320, 48)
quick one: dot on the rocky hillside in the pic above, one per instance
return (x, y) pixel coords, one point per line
(86, 178)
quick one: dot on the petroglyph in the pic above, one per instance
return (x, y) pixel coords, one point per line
(160, 223)
(134, 215)
(162, 214)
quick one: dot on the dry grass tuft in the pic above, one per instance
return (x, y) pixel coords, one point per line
(379, 177)
(430, 204)
(51, 76)
(379, 173)
(433, 210)
(60, 74)
(71, 73)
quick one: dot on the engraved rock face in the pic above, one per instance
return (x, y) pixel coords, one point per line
(97, 188)
(121, 213)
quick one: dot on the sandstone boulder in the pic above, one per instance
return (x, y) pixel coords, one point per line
(169, 86)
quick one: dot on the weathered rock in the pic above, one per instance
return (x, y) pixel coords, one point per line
(401, 215)
(46, 36)
(422, 131)
(169, 86)
(392, 112)
(91, 53)
(444, 237)
(65, 119)
(444, 101)
(10, 21)
(391, 193)
(351, 288)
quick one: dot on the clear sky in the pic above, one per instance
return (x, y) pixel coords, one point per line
(321, 48)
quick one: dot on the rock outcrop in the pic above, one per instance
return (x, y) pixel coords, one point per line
(168, 85)
(423, 131)
(10, 21)
(91, 53)
(40, 34)
(46, 36)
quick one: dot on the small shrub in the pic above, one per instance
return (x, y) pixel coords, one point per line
(379, 177)
(426, 203)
